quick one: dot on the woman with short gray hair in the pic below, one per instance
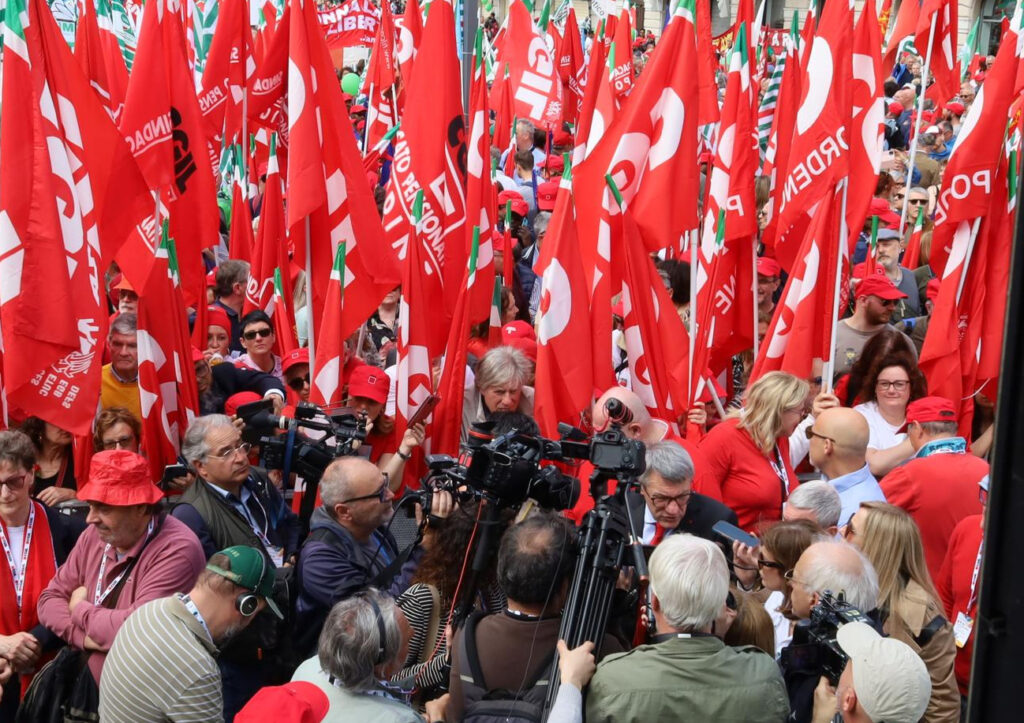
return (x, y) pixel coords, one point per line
(501, 385)
(363, 643)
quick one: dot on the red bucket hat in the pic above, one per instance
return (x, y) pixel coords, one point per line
(120, 478)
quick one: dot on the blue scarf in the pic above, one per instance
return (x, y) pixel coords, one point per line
(947, 445)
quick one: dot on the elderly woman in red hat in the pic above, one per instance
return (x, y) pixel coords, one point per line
(35, 539)
(132, 553)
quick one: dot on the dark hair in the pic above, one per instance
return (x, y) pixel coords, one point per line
(35, 428)
(524, 159)
(17, 449)
(918, 384)
(890, 87)
(679, 279)
(884, 343)
(536, 557)
(108, 418)
(229, 273)
(786, 542)
(254, 317)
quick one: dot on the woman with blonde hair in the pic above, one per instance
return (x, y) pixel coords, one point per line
(907, 600)
(748, 454)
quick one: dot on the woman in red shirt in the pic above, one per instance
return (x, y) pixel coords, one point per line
(748, 455)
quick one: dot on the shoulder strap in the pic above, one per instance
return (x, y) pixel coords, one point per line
(928, 631)
(469, 657)
(112, 597)
(433, 625)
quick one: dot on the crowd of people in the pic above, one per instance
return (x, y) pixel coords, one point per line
(211, 594)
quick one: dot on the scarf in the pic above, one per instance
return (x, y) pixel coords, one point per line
(947, 445)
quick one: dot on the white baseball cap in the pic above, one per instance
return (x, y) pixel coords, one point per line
(889, 678)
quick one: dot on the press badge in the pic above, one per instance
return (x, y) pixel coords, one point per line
(962, 629)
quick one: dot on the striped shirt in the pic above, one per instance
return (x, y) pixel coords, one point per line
(161, 668)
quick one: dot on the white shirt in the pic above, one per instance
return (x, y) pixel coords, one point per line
(16, 539)
(782, 624)
(883, 435)
(649, 525)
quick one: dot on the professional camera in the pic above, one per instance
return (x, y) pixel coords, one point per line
(814, 648)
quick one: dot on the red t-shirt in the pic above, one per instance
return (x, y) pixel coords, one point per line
(954, 586)
(740, 476)
(938, 491)
(586, 501)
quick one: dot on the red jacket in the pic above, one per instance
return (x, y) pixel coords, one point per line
(938, 491)
(742, 477)
(954, 586)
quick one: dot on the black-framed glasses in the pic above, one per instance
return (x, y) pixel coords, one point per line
(918, 201)
(119, 443)
(887, 302)
(262, 332)
(15, 483)
(380, 495)
(762, 563)
(811, 434)
(664, 500)
(900, 385)
(243, 447)
(297, 383)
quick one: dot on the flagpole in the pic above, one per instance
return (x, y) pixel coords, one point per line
(310, 334)
(830, 365)
(967, 258)
(917, 124)
(366, 126)
(693, 314)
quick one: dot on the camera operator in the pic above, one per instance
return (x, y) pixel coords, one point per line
(884, 680)
(514, 648)
(349, 546)
(232, 503)
(827, 565)
(688, 673)
(667, 503)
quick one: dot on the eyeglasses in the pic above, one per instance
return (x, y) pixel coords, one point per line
(811, 434)
(664, 500)
(900, 385)
(297, 383)
(761, 562)
(381, 495)
(244, 448)
(887, 302)
(918, 201)
(15, 483)
(263, 333)
(899, 196)
(119, 443)
(790, 578)
(848, 531)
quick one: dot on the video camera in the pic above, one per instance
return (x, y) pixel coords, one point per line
(814, 649)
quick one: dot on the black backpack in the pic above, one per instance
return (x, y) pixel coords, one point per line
(486, 705)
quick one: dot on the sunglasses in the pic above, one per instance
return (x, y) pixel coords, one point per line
(14, 483)
(297, 383)
(917, 201)
(380, 495)
(762, 563)
(120, 442)
(262, 333)
(811, 434)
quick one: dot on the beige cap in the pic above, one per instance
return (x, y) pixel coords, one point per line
(889, 678)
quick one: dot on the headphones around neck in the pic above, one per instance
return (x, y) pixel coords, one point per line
(381, 632)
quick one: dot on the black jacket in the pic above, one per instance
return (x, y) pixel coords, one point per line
(229, 379)
(702, 513)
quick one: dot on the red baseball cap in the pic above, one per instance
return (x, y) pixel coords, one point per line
(357, 109)
(896, 108)
(516, 199)
(768, 267)
(120, 478)
(296, 702)
(562, 139)
(880, 286)
(886, 216)
(216, 316)
(369, 382)
(517, 330)
(546, 194)
(554, 163)
(295, 356)
(211, 278)
(525, 345)
(232, 403)
(931, 409)
(956, 107)
(931, 291)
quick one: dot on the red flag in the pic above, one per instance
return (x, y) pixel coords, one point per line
(912, 255)
(594, 74)
(167, 384)
(430, 155)
(537, 90)
(70, 195)
(240, 242)
(571, 68)
(945, 68)
(229, 71)
(564, 377)
(622, 62)
(776, 156)
(266, 102)
(707, 66)
(326, 386)
(480, 199)
(101, 60)
(327, 182)
(801, 327)
(381, 81)
(410, 35)
(903, 28)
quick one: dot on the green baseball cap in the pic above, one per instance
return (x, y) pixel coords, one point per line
(250, 569)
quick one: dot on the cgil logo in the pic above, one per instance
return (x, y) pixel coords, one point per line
(963, 186)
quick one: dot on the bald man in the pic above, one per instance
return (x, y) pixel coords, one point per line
(838, 444)
(642, 427)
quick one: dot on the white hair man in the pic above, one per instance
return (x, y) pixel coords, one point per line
(816, 501)
(687, 668)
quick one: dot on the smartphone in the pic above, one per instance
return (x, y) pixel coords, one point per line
(424, 410)
(733, 533)
(171, 473)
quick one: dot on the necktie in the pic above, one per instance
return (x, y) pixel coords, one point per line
(659, 532)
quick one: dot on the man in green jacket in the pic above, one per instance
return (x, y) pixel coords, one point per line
(688, 673)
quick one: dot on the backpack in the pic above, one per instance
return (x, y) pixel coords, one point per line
(485, 705)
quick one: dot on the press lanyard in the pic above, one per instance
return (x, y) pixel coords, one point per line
(974, 579)
(780, 472)
(191, 607)
(100, 595)
(19, 575)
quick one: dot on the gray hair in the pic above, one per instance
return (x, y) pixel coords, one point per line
(17, 450)
(828, 569)
(927, 139)
(350, 648)
(540, 222)
(690, 577)
(821, 498)
(194, 447)
(919, 189)
(670, 460)
(502, 365)
(525, 124)
(939, 429)
(126, 324)
(336, 481)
